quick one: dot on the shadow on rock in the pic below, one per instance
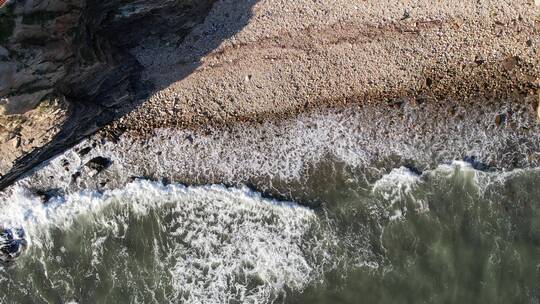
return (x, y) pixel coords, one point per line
(119, 53)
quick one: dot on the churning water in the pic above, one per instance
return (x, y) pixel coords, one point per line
(346, 224)
(452, 234)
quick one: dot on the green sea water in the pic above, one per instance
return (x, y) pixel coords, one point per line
(452, 234)
(466, 237)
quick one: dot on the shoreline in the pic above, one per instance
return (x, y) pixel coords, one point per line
(274, 156)
(274, 60)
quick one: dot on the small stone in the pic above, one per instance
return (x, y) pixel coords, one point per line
(75, 176)
(406, 15)
(16, 142)
(479, 60)
(500, 119)
(510, 63)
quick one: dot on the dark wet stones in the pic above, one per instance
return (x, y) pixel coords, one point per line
(84, 151)
(65, 164)
(47, 194)
(477, 164)
(412, 168)
(75, 176)
(98, 164)
(396, 103)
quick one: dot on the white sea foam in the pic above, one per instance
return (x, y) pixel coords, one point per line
(395, 188)
(285, 150)
(224, 239)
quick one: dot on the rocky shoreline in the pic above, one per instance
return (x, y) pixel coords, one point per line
(273, 157)
(234, 62)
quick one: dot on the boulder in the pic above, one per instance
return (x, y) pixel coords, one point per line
(98, 164)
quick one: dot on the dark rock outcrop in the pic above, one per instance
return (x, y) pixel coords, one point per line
(72, 60)
(99, 163)
(81, 49)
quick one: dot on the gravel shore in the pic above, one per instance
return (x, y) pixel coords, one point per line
(292, 56)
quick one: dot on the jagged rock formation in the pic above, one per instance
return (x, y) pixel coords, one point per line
(66, 66)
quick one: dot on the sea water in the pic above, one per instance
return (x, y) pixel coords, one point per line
(317, 212)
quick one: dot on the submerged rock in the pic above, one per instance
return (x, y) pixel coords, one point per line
(46, 194)
(12, 244)
(75, 176)
(84, 151)
(413, 169)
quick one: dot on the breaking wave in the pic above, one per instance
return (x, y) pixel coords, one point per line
(155, 242)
